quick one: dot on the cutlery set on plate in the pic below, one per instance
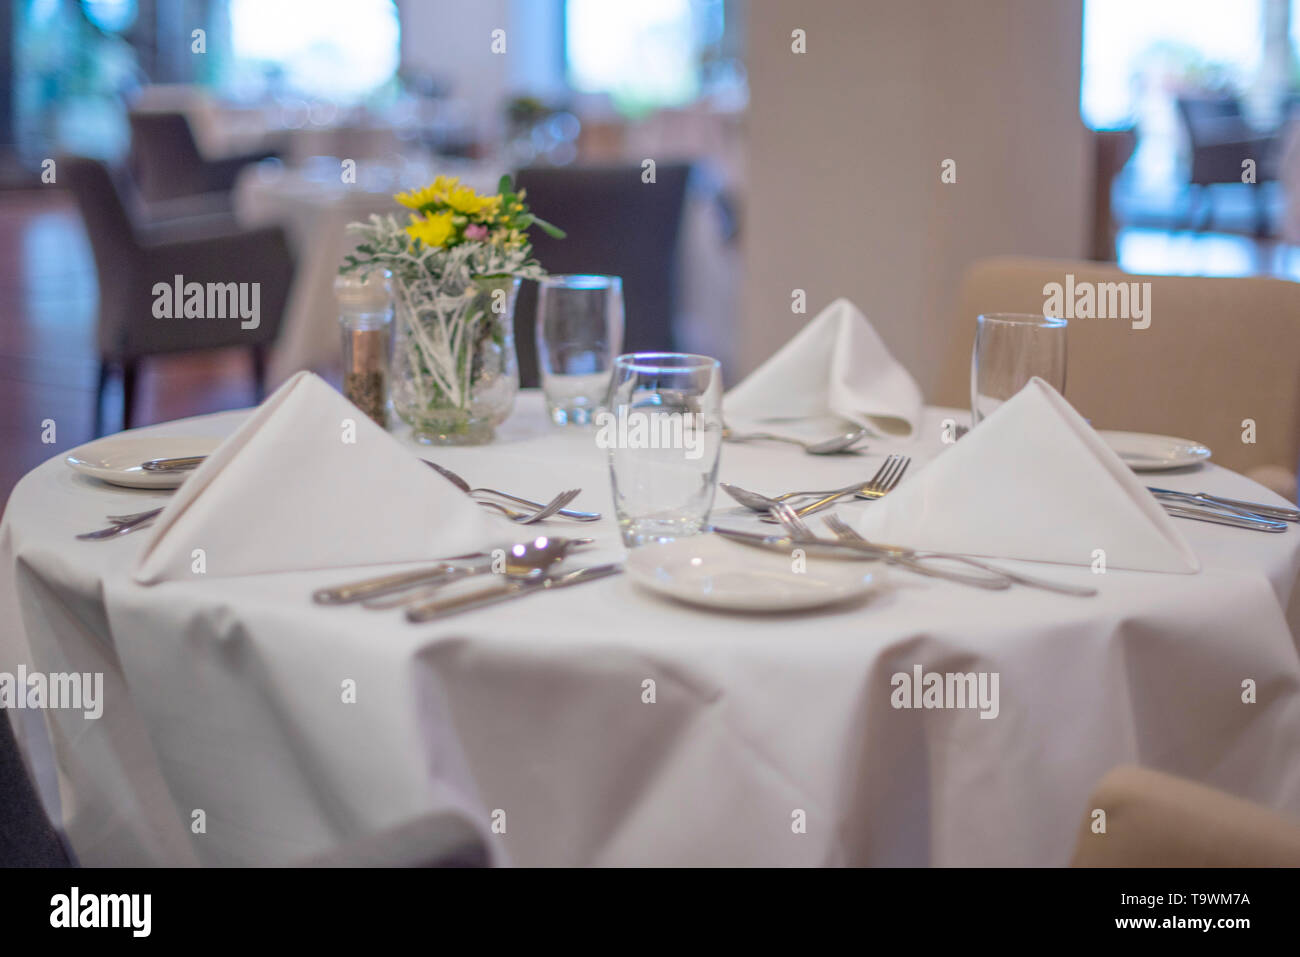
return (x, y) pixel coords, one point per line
(848, 544)
(531, 567)
(530, 513)
(522, 569)
(789, 510)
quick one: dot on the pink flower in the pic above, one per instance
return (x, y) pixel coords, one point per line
(476, 231)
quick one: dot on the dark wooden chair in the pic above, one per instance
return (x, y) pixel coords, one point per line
(131, 258)
(165, 161)
(617, 225)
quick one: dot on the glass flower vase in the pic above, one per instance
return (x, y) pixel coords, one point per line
(455, 374)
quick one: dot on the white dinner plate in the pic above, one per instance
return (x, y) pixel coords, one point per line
(118, 459)
(1155, 453)
(706, 570)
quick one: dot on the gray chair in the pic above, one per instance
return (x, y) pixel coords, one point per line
(165, 161)
(617, 225)
(131, 258)
(1220, 139)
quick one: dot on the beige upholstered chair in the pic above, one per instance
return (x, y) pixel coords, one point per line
(1157, 820)
(1217, 352)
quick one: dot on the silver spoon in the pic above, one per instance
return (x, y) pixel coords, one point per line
(374, 587)
(526, 560)
(523, 562)
(833, 446)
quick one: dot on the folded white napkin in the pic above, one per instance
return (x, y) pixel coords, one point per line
(836, 369)
(288, 492)
(1032, 481)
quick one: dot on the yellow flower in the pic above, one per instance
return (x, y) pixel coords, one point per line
(436, 192)
(463, 199)
(432, 230)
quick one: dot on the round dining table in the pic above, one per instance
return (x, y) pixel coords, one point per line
(243, 724)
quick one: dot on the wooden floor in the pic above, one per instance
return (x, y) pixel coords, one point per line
(48, 358)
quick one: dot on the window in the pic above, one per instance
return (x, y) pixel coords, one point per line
(340, 50)
(644, 55)
(1136, 51)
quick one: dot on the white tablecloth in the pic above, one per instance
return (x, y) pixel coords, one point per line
(224, 694)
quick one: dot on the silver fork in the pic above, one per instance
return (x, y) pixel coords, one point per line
(134, 516)
(524, 518)
(143, 520)
(528, 518)
(846, 533)
(124, 525)
(884, 481)
(460, 483)
(879, 485)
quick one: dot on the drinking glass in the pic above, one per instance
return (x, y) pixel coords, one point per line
(579, 332)
(663, 433)
(1010, 349)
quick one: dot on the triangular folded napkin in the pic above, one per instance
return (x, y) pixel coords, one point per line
(836, 369)
(309, 482)
(1032, 481)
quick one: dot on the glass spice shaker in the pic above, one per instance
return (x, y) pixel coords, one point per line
(366, 319)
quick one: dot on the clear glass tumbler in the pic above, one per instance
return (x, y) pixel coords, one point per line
(1010, 349)
(663, 433)
(579, 332)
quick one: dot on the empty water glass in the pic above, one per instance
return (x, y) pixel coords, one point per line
(663, 434)
(579, 332)
(1010, 349)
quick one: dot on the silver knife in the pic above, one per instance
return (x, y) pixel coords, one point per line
(910, 558)
(1220, 516)
(1277, 512)
(864, 551)
(386, 584)
(182, 464)
(443, 607)
(820, 548)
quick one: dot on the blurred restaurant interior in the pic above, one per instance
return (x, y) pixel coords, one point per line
(1095, 130)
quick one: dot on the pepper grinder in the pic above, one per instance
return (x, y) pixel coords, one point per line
(366, 320)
